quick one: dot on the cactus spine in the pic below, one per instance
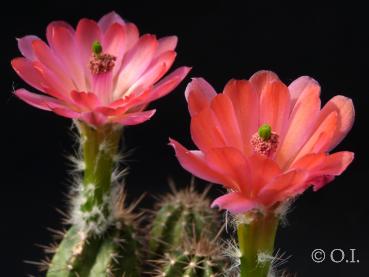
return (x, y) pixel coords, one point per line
(179, 214)
(183, 237)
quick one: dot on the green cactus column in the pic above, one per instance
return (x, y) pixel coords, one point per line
(101, 241)
(183, 238)
(256, 244)
(100, 146)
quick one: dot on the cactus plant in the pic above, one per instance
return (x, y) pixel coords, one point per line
(194, 257)
(183, 236)
(177, 215)
(115, 253)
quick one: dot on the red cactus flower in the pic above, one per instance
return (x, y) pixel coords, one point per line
(265, 142)
(101, 72)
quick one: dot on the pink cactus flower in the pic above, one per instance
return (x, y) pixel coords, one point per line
(264, 141)
(101, 72)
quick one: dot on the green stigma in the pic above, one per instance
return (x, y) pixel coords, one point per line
(96, 47)
(265, 131)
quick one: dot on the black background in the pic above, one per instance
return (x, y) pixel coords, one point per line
(221, 41)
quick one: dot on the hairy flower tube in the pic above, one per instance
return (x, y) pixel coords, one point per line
(101, 72)
(266, 143)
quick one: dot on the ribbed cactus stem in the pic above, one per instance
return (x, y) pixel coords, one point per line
(179, 215)
(99, 146)
(256, 244)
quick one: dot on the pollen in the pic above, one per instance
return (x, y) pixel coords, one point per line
(264, 142)
(100, 62)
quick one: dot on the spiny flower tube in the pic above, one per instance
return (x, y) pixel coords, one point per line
(101, 72)
(266, 143)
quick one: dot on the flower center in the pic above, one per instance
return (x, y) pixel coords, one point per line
(100, 62)
(264, 142)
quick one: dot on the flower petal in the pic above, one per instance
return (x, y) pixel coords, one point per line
(230, 162)
(115, 43)
(165, 85)
(302, 121)
(47, 57)
(206, 132)
(300, 86)
(36, 100)
(275, 107)
(86, 100)
(135, 118)
(198, 94)
(25, 69)
(346, 115)
(136, 62)
(263, 170)
(235, 203)
(166, 44)
(195, 163)
(25, 46)
(93, 118)
(153, 73)
(246, 107)
(262, 79)
(109, 19)
(321, 164)
(87, 32)
(62, 41)
(284, 187)
(321, 137)
(223, 110)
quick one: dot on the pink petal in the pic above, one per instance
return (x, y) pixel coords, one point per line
(109, 19)
(153, 73)
(136, 63)
(132, 35)
(263, 170)
(111, 111)
(62, 41)
(262, 79)
(283, 187)
(275, 107)
(66, 112)
(166, 44)
(46, 56)
(36, 100)
(195, 163)
(25, 69)
(236, 203)
(205, 130)
(135, 118)
(87, 32)
(53, 85)
(230, 162)
(86, 100)
(115, 44)
(302, 120)
(165, 85)
(301, 85)
(93, 118)
(198, 94)
(50, 30)
(346, 115)
(321, 137)
(246, 107)
(223, 110)
(25, 46)
(322, 165)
